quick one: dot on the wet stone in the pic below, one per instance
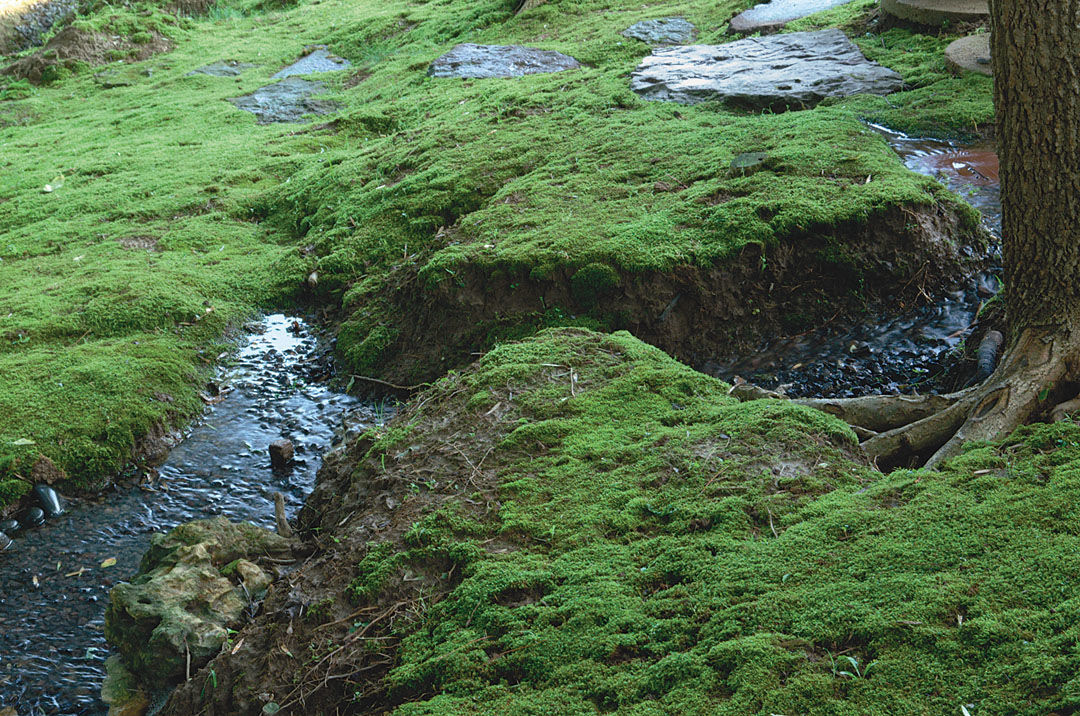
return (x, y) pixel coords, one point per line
(50, 501)
(226, 68)
(482, 61)
(318, 61)
(34, 517)
(10, 526)
(665, 31)
(771, 16)
(778, 72)
(286, 101)
(5, 541)
(281, 454)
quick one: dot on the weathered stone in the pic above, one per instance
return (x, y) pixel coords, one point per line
(771, 16)
(320, 60)
(480, 61)
(665, 31)
(778, 72)
(183, 601)
(225, 68)
(286, 101)
(33, 517)
(935, 13)
(10, 526)
(281, 454)
(971, 53)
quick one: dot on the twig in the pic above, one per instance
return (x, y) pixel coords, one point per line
(395, 386)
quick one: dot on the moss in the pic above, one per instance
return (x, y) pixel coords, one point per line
(676, 552)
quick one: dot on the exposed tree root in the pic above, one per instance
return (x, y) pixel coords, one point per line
(1036, 379)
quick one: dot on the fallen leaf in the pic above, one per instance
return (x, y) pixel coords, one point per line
(77, 573)
(982, 472)
(237, 647)
(109, 562)
(24, 441)
(34, 579)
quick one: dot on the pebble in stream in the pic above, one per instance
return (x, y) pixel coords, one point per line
(53, 589)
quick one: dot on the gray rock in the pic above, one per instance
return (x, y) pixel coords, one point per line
(286, 101)
(281, 454)
(33, 517)
(318, 61)
(771, 16)
(778, 72)
(10, 526)
(665, 31)
(479, 61)
(50, 501)
(226, 68)
(937, 13)
(5, 541)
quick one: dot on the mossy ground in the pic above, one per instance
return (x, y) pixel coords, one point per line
(170, 205)
(578, 524)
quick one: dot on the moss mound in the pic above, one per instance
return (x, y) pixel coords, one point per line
(579, 524)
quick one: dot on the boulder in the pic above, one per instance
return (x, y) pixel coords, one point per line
(971, 53)
(481, 61)
(778, 72)
(193, 586)
(771, 16)
(664, 31)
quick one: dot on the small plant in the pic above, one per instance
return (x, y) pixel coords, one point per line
(856, 672)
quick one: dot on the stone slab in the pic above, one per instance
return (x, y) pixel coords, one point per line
(971, 53)
(935, 13)
(286, 101)
(777, 72)
(771, 16)
(225, 68)
(319, 60)
(481, 61)
(664, 31)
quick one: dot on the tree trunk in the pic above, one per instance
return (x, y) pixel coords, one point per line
(1035, 45)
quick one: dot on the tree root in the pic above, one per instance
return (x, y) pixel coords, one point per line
(1038, 371)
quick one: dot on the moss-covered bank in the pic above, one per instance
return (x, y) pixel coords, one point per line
(557, 199)
(578, 524)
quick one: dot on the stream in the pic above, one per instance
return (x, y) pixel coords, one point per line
(53, 589)
(890, 353)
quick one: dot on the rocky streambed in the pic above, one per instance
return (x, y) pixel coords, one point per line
(907, 350)
(55, 579)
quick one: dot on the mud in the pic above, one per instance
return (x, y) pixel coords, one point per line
(71, 46)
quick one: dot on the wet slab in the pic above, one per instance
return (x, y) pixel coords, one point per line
(483, 61)
(289, 100)
(771, 16)
(53, 588)
(663, 31)
(319, 60)
(778, 72)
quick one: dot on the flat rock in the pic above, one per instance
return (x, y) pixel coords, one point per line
(286, 101)
(935, 13)
(664, 31)
(971, 53)
(778, 72)
(480, 61)
(225, 68)
(771, 16)
(320, 60)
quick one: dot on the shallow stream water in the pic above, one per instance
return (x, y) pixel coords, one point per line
(890, 353)
(53, 589)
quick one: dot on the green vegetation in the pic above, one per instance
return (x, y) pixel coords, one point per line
(657, 548)
(173, 216)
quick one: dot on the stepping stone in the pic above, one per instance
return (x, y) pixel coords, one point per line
(970, 53)
(480, 61)
(778, 72)
(226, 68)
(771, 16)
(320, 60)
(286, 101)
(665, 31)
(936, 13)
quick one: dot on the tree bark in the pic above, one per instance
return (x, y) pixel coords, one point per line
(1035, 46)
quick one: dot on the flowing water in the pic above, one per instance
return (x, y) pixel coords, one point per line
(53, 589)
(890, 353)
